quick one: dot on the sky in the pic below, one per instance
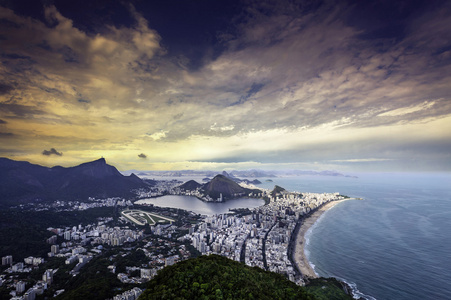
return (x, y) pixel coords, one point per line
(171, 85)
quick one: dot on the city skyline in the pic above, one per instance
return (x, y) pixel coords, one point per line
(344, 85)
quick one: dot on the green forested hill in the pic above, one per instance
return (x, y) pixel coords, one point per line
(216, 277)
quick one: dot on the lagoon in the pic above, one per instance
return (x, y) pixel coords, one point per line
(197, 206)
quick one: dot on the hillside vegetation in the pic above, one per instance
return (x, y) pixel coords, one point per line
(216, 277)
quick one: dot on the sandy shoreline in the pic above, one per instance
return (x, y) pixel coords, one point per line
(299, 254)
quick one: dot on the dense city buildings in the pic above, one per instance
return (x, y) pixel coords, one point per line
(262, 237)
(258, 237)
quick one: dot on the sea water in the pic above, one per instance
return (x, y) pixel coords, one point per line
(393, 244)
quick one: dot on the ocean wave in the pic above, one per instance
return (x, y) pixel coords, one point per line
(356, 294)
(309, 231)
(313, 267)
(307, 236)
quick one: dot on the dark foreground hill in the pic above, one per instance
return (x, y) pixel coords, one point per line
(217, 277)
(22, 182)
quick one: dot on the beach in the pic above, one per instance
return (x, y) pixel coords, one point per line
(299, 253)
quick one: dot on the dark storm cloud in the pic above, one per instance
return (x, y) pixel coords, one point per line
(322, 70)
(20, 111)
(142, 155)
(3, 122)
(6, 134)
(5, 89)
(287, 70)
(15, 56)
(255, 88)
(52, 151)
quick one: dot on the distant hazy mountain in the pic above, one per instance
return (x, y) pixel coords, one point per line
(22, 182)
(314, 173)
(239, 175)
(276, 173)
(177, 173)
(252, 173)
(190, 185)
(236, 179)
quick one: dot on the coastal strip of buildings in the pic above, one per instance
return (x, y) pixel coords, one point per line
(261, 238)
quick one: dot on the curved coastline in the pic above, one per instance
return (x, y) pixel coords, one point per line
(300, 257)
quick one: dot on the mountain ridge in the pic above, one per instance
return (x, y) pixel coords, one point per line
(218, 189)
(23, 182)
(222, 185)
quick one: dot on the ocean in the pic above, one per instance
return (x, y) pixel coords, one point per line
(393, 244)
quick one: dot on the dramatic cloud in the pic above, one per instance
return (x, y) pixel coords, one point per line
(313, 83)
(6, 134)
(5, 89)
(52, 151)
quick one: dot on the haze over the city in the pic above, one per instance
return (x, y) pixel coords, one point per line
(343, 85)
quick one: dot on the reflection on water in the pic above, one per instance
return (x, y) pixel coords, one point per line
(200, 207)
